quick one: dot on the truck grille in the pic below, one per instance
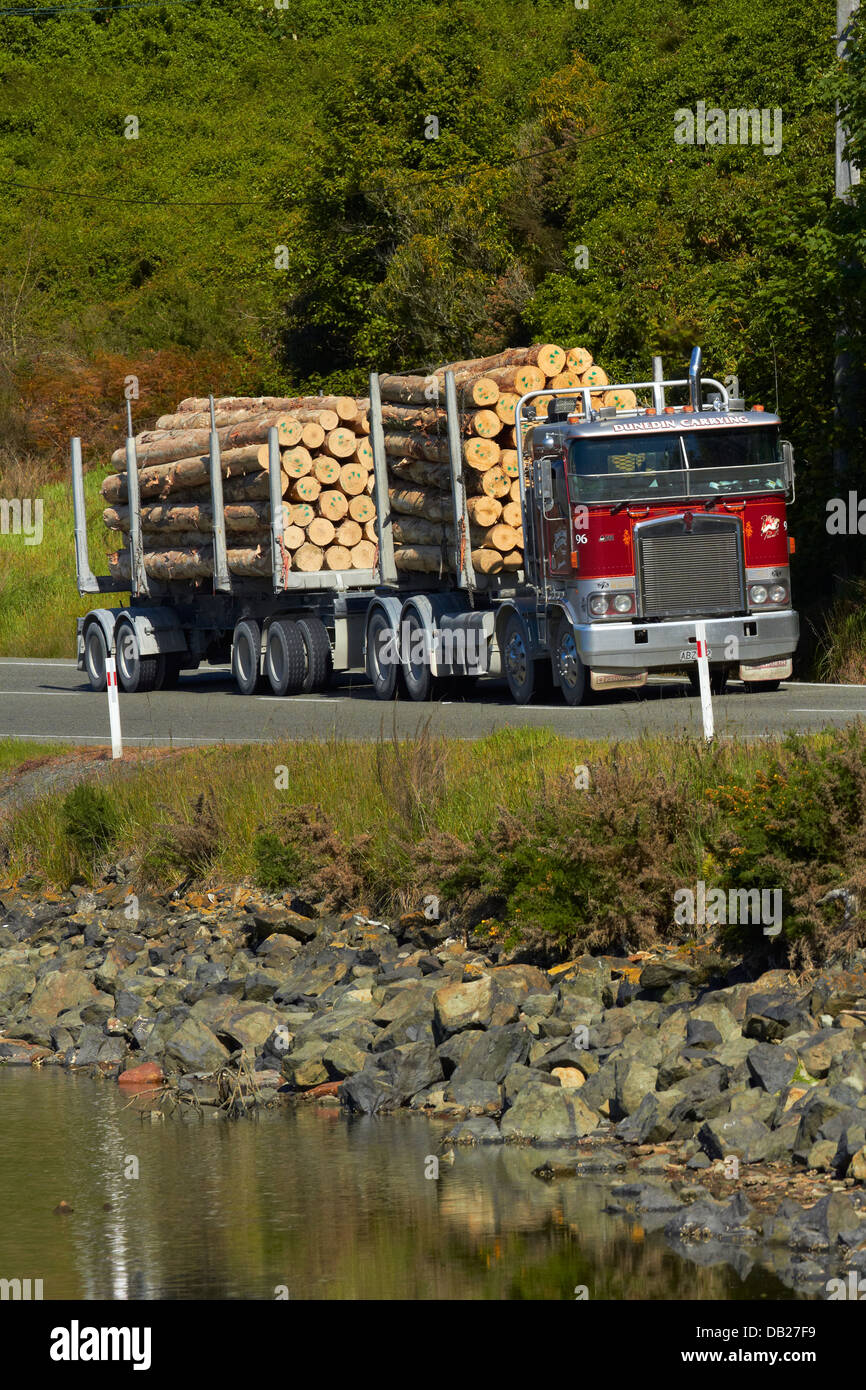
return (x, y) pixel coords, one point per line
(689, 566)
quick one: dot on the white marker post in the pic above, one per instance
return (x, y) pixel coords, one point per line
(113, 707)
(704, 680)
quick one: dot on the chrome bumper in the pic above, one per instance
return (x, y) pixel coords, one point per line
(624, 647)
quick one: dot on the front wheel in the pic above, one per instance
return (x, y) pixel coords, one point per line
(517, 664)
(569, 667)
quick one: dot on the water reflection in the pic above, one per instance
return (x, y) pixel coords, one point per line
(327, 1206)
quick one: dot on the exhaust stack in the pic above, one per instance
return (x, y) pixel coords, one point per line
(695, 379)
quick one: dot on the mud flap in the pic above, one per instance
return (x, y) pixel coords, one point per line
(768, 670)
(624, 680)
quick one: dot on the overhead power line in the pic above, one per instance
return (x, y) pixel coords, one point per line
(30, 11)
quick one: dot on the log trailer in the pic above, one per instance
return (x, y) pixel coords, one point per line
(637, 523)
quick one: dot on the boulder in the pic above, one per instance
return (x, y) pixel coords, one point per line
(546, 1115)
(772, 1066)
(489, 1056)
(62, 989)
(464, 1004)
(632, 1081)
(193, 1047)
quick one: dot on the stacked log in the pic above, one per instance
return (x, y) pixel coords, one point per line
(326, 462)
(326, 472)
(415, 429)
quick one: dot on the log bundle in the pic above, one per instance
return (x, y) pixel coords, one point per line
(415, 429)
(326, 473)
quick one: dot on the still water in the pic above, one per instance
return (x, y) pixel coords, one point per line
(307, 1201)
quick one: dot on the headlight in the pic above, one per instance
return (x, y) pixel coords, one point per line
(757, 593)
(623, 603)
(778, 593)
(598, 605)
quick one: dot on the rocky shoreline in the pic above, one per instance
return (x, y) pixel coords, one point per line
(728, 1112)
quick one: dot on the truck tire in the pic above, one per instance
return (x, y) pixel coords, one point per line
(385, 675)
(95, 656)
(421, 684)
(247, 656)
(519, 667)
(718, 679)
(171, 671)
(318, 660)
(136, 674)
(285, 657)
(569, 667)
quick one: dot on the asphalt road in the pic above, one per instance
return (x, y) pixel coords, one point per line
(51, 700)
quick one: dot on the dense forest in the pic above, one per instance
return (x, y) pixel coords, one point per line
(264, 197)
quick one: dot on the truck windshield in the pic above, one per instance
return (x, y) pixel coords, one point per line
(674, 464)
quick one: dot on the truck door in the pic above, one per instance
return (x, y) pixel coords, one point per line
(556, 523)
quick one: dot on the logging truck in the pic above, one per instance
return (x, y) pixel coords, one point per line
(638, 517)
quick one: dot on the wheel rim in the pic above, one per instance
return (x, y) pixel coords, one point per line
(515, 658)
(126, 654)
(569, 661)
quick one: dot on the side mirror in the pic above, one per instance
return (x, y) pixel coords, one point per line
(788, 460)
(545, 480)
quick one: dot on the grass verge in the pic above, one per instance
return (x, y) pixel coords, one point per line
(525, 836)
(40, 601)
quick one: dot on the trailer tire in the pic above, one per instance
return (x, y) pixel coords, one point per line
(172, 665)
(386, 677)
(318, 661)
(569, 668)
(136, 674)
(420, 682)
(95, 657)
(247, 656)
(285, 657)
(518, 666)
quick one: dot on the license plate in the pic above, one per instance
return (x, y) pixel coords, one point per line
(691, 654)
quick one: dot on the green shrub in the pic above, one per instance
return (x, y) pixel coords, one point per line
(90, 821)
(278, 865)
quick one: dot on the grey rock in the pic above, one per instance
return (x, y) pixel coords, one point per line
(547, 1114)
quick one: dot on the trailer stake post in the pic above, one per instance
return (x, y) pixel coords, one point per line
(137, 572)
(384, 531)
(221, 578)
(276, 498)
(463, 566)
